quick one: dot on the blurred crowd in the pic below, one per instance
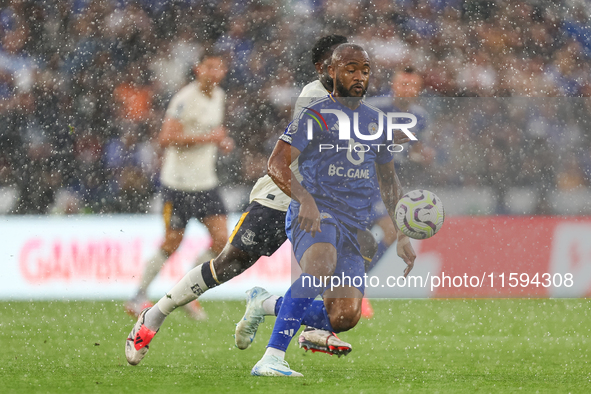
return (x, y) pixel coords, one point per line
(84, 85)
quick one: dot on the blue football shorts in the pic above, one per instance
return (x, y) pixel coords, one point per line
(350, 262)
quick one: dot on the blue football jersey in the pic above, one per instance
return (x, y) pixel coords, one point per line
(338, 168)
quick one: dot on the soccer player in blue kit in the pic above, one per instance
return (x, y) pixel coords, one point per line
(330, 205)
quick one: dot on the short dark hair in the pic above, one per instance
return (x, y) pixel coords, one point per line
(207, 53)
(324, 44)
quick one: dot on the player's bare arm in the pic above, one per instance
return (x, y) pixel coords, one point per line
(281, 158)
(172, 134)
(391, 192)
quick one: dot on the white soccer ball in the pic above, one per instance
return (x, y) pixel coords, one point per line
(420, 214)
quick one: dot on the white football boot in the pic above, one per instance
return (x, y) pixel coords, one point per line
(247, 327)
(273, 366)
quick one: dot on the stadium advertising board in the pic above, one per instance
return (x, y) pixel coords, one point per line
(501, 256)
(102, 257)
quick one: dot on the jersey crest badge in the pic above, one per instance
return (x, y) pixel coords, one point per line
(372, 128)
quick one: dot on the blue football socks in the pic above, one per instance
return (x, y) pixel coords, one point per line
(293, 309)
(315, 316)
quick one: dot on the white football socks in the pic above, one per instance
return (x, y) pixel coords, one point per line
(189, 288)
(153, 267)
(154, 318)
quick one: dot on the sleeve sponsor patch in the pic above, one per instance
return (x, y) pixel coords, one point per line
(286, 138)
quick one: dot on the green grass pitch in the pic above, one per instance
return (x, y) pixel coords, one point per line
(430, 346)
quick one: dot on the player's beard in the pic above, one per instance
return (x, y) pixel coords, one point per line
(344, 92)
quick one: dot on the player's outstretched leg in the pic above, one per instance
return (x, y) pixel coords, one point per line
(192, 285)
(188, 289)
(138, 340)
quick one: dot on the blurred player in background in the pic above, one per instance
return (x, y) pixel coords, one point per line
(259, 232)
(329, 210)
(191, 135)
(406, 86)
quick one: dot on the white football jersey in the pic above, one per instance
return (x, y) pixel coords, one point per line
(265, 191)
(193, 168)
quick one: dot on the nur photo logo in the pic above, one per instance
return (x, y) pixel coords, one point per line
(402, 121)
(375, 131)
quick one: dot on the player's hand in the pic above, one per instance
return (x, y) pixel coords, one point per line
(309, 216)
(217, 135)
(400, 137)
(227, 145)
(406, 253)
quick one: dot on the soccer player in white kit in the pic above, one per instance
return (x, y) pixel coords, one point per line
(191, 135)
